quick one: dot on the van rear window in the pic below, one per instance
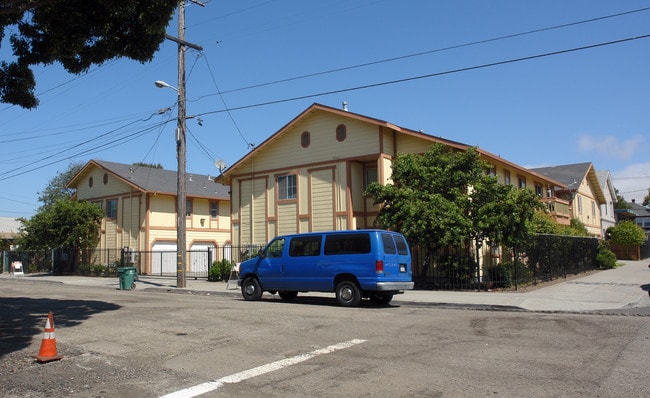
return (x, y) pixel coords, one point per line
(347, 244)
(389, 245)
(402, 247)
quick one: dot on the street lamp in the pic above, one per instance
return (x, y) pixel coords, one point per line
(163, 84)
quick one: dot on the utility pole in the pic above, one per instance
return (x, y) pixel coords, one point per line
(181, 192)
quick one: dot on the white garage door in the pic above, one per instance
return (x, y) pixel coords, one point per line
(163, 259)
(201, 256)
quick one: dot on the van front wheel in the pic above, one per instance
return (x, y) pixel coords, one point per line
(348, 294)
(251, 289)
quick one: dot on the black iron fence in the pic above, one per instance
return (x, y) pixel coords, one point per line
(104, 262)
(545, 258)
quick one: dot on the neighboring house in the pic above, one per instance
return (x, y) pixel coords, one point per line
(583, 191)
(9, 230)
(140, 214)
(607, 213)
(311, 174)
(639, 214)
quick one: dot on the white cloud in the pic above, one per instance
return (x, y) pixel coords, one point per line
(633, 181)
(610, 145)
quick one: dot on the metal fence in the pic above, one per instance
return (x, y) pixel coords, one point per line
(545, 258)
(104, 262)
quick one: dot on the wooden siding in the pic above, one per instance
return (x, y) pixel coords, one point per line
(322, 200)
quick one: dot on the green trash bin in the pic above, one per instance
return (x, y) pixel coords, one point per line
(127, 277)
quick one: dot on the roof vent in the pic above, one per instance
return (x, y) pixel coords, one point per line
(345, 106)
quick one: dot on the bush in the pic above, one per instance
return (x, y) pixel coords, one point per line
(85, 269)
(98, 269)
(606, 259)
(220, 270)
(499, 276)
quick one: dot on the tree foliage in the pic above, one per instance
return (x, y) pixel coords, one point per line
(57, 188)
(77, 34)
(445, 197)
(646, 199)
(65, 223)
(627, 233)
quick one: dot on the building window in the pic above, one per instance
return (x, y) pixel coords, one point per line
(287, 187)
(214, 209)
(370, 176)
(522, 182)
(506, 177)
(105, 178)
(111, 208)
(305, 139)
(539, 190)
(580, 204)
(341, 132)
(491, 171)
(188, 208)
(90, 182)
(593, 209)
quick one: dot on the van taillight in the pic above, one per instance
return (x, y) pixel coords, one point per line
(379, 267)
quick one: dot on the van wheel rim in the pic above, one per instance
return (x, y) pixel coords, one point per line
(250, 289)
(346, 294)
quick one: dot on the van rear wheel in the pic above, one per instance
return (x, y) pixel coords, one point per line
(251, 289)
(348, 294)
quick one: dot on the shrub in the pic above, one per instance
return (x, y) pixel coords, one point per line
(499, 276)
(98, 269)
(85, 269)
(605, 258)
(220, 270)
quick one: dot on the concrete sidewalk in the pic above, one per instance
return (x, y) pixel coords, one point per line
(627, 286)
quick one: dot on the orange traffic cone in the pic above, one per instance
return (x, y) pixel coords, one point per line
(47, 352)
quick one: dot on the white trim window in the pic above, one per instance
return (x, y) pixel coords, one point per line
(287, 187)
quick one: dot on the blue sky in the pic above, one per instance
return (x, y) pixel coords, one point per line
(488, 85)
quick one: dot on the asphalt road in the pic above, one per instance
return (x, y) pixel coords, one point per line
(148, 344)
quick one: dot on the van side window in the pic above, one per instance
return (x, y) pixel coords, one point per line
(402, 247)
(347, 244)
(274, 249)
(305, 246)
(389, 245)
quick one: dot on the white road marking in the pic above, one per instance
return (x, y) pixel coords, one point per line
(203, 388)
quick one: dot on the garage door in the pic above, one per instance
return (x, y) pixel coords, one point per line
(201, 256)
(163, 259)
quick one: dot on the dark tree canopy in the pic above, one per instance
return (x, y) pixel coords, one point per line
(77, 34)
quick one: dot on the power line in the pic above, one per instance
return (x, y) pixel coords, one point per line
(430, 75)
(418, 54)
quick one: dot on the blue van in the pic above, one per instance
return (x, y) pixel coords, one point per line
(373, 264)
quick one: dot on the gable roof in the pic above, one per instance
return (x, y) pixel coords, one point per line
(316, 107)
(572, 175)
(154, 180)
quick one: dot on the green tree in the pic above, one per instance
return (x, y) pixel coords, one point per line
(65, 223)
(57, 188)
(445, 197)
(620, 203)
(646, 199)
(77, 34)
(627, 233)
